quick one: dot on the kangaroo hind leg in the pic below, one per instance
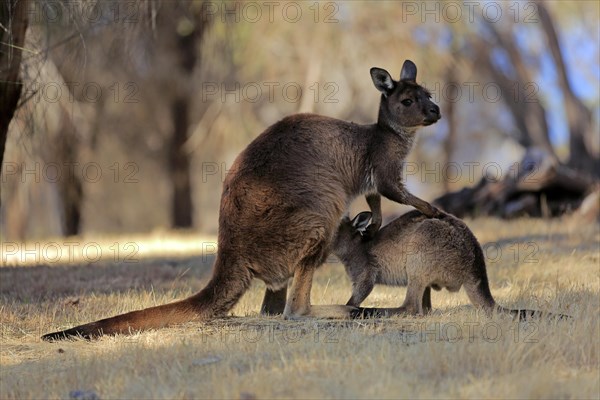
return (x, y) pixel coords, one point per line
(427, 300)
(274, 301)
(298, 302)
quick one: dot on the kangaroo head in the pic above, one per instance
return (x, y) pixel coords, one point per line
(404, 104)
(349, 234)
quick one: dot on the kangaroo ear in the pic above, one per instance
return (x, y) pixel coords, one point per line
(382, 80)
(361, 221)
(409, 71)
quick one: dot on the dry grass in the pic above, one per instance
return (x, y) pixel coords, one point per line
(454, 353)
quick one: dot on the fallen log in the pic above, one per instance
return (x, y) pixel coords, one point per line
(537, 186)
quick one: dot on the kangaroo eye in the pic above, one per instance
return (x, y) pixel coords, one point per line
(407, 102)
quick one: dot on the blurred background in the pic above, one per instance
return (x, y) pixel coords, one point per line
(129, 113)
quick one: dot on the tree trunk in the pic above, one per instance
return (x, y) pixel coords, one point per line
(13, 23)
(519, 95)
(450, 115)
(70, 186)
(179, 160)
(186, 52)
(579, 117)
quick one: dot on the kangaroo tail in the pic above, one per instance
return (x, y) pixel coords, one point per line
(218, 297)
(149, 318)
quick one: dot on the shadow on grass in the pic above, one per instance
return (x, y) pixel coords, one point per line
(529, 239)
(185, 356)
(45, 282)
(557, 242)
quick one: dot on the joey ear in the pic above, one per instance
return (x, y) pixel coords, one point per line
(409, 71)
(382, 80)
(361, 221)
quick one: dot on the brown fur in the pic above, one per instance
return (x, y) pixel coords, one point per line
(283, 199)
(419, 253)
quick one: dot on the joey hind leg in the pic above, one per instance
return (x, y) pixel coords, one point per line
(415, 298)
(274, 301)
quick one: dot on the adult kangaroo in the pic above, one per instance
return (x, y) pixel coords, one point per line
(419, 253)
(282, 201)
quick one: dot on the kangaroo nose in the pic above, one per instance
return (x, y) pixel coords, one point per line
(434, 109)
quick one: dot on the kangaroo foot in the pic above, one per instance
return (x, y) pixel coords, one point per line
(327, 312)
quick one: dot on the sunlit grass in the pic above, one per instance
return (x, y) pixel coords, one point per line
(456, 352)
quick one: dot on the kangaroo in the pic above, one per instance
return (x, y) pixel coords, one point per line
(421, 254)
(282, 201)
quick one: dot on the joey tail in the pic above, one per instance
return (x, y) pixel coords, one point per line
(480, 295)
(217, 298)
(525, 315)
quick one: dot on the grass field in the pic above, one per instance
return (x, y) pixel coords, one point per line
(453, 353)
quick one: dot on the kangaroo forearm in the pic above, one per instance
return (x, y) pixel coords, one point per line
(423, 206)
(374, 202)
(403, 196)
